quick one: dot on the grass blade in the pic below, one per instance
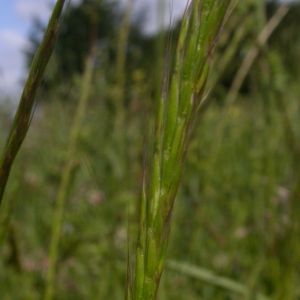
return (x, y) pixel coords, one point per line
(67, 176)
(177, 109)
(24, 113)
(209, 277)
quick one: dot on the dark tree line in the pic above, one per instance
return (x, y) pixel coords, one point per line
(91, 23)
(99, 21)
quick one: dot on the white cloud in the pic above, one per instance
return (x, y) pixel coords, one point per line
(287, 1)
(13, 39)
(29, 9)
(14, 42)
(11, 63)
(75, 1)
(10, 72)
(169, 8)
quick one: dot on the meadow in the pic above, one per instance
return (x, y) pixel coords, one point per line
(72, 207)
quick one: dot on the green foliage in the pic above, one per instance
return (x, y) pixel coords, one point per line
(235, 223)
(84, 24)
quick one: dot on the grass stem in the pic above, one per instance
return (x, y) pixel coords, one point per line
(176, 114)
(24, 113)
(66, 178)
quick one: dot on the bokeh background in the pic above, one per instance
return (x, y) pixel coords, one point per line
(236, 218)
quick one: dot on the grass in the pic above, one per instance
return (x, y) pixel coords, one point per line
(67, 175)
(209, 277)
(235, 224)
(24, 113)
(174, 121)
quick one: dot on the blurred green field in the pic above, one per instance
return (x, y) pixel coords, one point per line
(237, 211)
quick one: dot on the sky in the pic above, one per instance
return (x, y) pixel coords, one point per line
(15, 23)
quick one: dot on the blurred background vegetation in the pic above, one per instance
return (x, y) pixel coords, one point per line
(237, 213)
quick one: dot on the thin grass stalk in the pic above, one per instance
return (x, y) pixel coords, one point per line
(67, 177)
(228, 55)
(254, 51)
(24, 112)
(121, 55)
(8, 208)
(243, 71)
(176, 114)
(159, 49)
(209, 277)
